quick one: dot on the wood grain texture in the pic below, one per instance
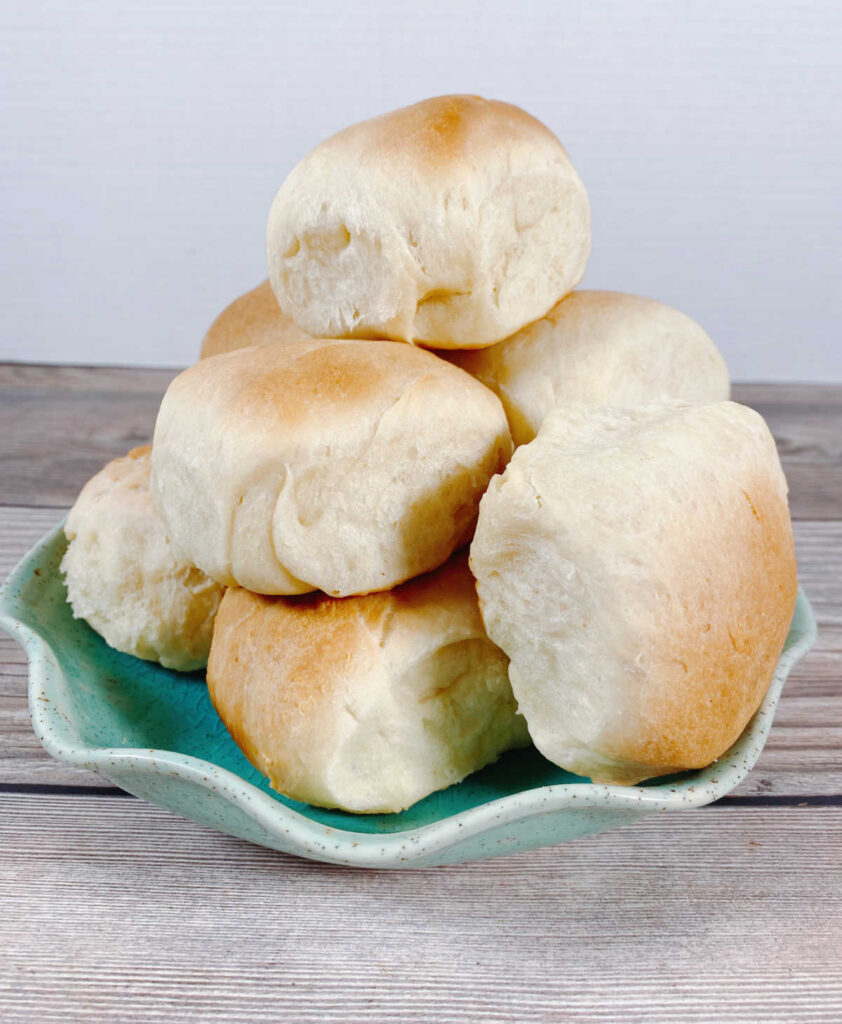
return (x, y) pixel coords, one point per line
(807, 423)
(801, 757)
(38, 378)
(62, 424)
(114, 910)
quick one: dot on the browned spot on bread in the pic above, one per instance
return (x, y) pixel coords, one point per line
(253, 319)
(340, 373)
(751, 505)
(442, 129)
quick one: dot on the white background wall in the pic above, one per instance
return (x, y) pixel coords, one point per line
(143, 143)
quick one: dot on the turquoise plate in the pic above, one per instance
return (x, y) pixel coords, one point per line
(155, 734)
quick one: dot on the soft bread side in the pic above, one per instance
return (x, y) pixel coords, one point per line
(638, 568)
(124, 578)
(599, 348)
(367, 703)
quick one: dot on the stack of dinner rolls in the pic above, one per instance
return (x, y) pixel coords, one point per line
(416, 376)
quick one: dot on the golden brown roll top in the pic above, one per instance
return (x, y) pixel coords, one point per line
(333, 465)
(451, 223)
(253, 319)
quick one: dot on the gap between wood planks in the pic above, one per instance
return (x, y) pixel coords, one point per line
(759, 800)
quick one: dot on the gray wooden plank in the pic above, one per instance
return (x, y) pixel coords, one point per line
(55, 441)
(57, 377)
(759, 394)
(801, 757)
(62, 424)
(113, 910)
(807, 424)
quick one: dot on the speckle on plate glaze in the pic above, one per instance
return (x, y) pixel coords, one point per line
(155, 734)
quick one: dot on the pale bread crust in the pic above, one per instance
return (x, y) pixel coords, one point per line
(450, 223)
(333, 465)
(124, 578)
(638, 567)
(253, 319)
(366, 703)
(601, 348)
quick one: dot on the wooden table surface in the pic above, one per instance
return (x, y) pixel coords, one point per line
(114, 910)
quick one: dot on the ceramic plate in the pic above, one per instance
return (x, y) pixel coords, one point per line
(155, 734)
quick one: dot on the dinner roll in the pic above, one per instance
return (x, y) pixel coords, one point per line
(333, 465)
(124, 578)
(637, 566)
(602, 348)
(253, 319)
(368, 703)
(450, 223)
